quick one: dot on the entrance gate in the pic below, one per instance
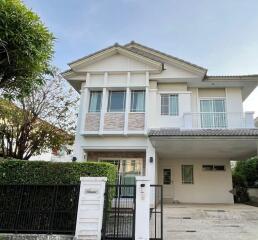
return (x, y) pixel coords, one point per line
(156, 212)
(119, 212)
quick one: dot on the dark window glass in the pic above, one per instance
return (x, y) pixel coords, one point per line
(166, 176)
(207, 167)
(219, 167)
(116, 101)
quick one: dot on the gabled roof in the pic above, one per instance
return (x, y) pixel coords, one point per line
(157, 60)
(158, 55)
(110, 49)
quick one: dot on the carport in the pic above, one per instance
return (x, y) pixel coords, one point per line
(210, 222)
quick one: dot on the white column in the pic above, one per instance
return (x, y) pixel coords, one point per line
(84, 103)
(154, 109)
(127, 109)
(90, 208)
(78, 150)
(147, 96)
(147, 109)
(104, 104)
(142, 214)
(84, 106)
(151, 167)
(249, 120)
(151, 162)
(103, 110)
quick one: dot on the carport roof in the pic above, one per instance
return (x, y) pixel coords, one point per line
(173, 132)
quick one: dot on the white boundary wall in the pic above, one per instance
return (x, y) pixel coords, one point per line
(90, 208)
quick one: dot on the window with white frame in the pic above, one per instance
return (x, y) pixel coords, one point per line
(137, 101)
(95, 101)
(169, 104)
(213, 113)
(187, 174)
(116, 101)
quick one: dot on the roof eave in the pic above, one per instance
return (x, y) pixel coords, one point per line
(252, 77)
(169, 57)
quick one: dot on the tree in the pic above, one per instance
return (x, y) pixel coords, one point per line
(42, 120)
(26, 47)
(248, 170)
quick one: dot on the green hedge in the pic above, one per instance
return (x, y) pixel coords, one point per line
(39, 172)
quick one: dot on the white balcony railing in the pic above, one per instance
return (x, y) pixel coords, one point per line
(218, 120)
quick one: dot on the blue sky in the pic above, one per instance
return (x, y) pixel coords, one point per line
(220, 35)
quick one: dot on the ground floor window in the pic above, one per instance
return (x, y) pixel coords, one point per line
(127, 168)
(167, 176)
(187, 174)
(213, 167)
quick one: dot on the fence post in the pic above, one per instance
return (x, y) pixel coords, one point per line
(90, 208)
(142, 215)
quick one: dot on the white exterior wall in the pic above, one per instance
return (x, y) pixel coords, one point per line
(122, 72)
(234, 104)
(184, 102)
(115, 63)
(208, 187)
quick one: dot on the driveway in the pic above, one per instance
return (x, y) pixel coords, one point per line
(210, 222)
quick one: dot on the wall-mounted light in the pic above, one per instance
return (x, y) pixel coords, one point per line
(151, 159)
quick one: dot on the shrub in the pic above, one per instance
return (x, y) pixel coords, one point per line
(240, 189)
(39, 172)
(249, 170)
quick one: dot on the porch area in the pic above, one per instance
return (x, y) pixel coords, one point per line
(194, 165)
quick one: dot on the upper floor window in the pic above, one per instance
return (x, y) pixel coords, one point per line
(213, 113)
(169, 104)
(95, 101)
(137, 101)
(116, 101)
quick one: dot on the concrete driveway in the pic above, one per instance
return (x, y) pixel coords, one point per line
(210, 222)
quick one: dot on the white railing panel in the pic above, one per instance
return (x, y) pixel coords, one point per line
(211, 120)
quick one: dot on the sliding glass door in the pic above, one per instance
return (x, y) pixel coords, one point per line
(213, 113)
(127, 169)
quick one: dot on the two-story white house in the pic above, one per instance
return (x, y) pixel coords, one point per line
(156, 115)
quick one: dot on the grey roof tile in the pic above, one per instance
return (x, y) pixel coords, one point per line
(203, 132)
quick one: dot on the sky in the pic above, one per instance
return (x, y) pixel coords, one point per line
(220, 35)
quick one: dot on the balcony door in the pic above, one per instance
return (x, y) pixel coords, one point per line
(213, 113)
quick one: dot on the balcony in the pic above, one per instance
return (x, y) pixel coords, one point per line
(210, 120)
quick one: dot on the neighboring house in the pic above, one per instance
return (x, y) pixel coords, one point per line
(157, 115)
(256, 122)
(64, 154)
